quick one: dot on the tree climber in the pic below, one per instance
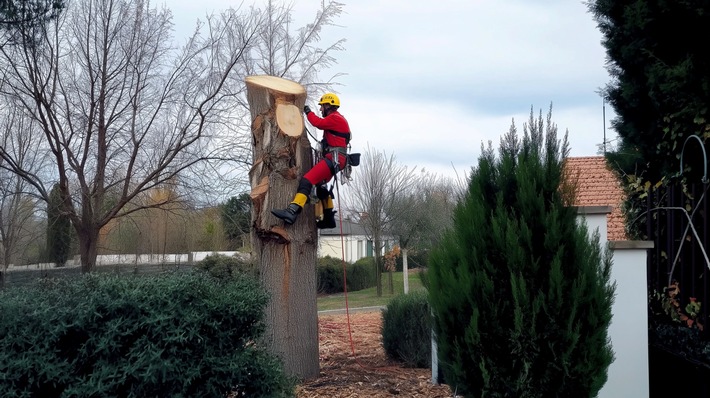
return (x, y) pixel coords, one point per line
(336, 136)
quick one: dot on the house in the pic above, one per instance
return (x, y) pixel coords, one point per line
(597, 185)
(599, 200)
(352, 245)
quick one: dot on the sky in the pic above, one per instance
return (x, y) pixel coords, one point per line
(430, 81)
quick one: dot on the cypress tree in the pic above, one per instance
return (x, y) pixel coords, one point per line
(520, 292)
(58, 229)
(660, 89)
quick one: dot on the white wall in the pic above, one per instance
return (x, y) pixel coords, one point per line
(333, 246)
(355, 246)
(627, 376)
(132, 259)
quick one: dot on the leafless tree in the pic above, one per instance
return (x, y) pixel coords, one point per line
(18, 203)
(121, 111)
(378, 183)
(296, 55)
(421, 213)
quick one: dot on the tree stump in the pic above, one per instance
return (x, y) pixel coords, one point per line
(286, 255)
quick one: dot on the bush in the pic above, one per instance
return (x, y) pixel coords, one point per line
(177, 335)
(520, 293)
(330, 275)
(361, 275)
(406, 329)
(221, 266)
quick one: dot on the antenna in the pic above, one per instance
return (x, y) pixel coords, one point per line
(604, 119)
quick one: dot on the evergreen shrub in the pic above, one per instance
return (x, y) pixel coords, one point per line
(521, 294)
(103, 335)
(360, 275)
(330, 275)
(221, 266)
(406, 329)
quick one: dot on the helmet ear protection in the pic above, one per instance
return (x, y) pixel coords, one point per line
(329, 99)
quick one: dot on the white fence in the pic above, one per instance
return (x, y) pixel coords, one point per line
(133, 259)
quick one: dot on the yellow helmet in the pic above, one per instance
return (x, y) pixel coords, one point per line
(329, 99)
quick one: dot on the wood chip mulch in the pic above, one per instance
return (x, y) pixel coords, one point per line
(367, 373)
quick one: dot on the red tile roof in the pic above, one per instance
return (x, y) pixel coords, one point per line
(597, 185)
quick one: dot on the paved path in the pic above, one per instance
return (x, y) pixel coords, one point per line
(352, 310)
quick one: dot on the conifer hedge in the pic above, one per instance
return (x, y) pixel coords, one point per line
(520, 292)
(359, 275)
(406, 329)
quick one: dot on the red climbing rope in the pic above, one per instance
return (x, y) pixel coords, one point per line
(345, 289)
(345, 272)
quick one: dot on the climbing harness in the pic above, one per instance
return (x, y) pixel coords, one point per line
(351, 159)
(320, 193)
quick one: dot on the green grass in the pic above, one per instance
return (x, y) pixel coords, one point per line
(368, 297)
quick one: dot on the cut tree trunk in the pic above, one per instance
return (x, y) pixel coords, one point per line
(286, 255)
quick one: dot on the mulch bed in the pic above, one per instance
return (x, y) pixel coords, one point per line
(367, 372)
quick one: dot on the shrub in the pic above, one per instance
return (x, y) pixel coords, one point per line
(221, 266)
(361, 275)
(406, 329)
(330, 275)
(178, 335)
(520, 293)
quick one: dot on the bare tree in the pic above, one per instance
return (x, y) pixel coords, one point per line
(421, 213)
(296, 55)
(377, 185)
(121, 111)
(18, 203)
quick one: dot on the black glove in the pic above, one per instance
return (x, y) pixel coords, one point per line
(306, 109)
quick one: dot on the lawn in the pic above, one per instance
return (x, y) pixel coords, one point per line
(368, 297)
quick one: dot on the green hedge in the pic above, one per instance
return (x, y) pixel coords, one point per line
(221, 266)
(175, 335)
(406, 329)
(330, 275)
(360, 275)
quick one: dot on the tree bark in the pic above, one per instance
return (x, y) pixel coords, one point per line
(378, 263)
(286, 254)
(88, 248)
(405, 270)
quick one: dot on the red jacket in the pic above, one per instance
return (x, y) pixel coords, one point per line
(333, 122)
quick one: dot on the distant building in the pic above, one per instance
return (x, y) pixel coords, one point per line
(352, 245)
(598, 185)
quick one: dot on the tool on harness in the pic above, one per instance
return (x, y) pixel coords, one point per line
(325, 214)
(351, 160)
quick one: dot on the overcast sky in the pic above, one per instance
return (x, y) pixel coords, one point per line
(429, 81)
